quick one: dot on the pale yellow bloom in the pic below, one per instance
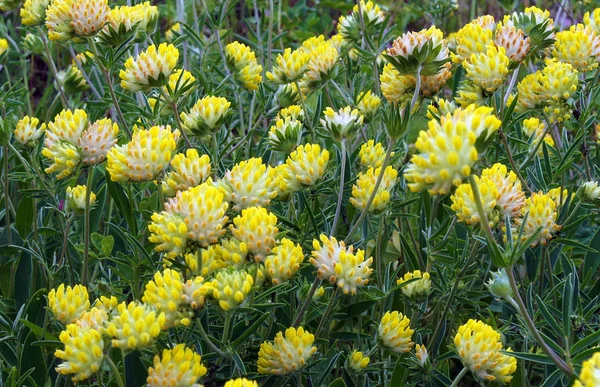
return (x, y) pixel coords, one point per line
(180, 366)
(286, 354)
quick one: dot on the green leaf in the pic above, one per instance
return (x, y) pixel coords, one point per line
(533, 357)
(339, 382)
(122, 202)
(592, 339)
(567, 305)
(25, 216)
(400, 374)
(250, 330)
(32, 357)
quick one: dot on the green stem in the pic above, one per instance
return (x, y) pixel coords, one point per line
(227, 327)
(61, 91)
(307, 301)
(513, 80)
(327, 311)
(173, 106)
(512, 161)
(7, 220)
(209, 342)
(519, 305)
(340, 198)
(483, 218)
(115, 371)
(307, 117)
(86, 235)
(417, 89)
(462, 373)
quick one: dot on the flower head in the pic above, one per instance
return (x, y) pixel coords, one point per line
(343, 123)
(286, 354)
(473, 38)
(243, 61)
(29, 130)
(514, 41)
(250, 183)
(284, 261)
(169, 232)
(307, 164)
(322, 63)
(367, 104)
(76, 198)
(151, 68)
(590, 372)
(241, 382)
(206, 116)
(424, 51)
(590, 190)
(488, 69)
(165, 292)
(291, 65)
(463, 201)
(135, 326)
(541, 214)
(357, 361)
(230, 288)
(479, 348)
(579, 46)
(415, 288)
(395, 87)
(58, 20)
(97, 140)
(179, 366)
(88, 16)
(83, 353)
(365, 184)
(592, 20)
(125, 22)
(257, 228)
(173, 32)
(68, 303)
(499, 285)
(189, 169)
(285, 134)
(33, 12)
(371, 154)
(144, 157)
(395, 333)
(195, 292)
(511, 197)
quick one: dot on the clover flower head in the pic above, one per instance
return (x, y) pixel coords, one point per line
(579, 46)
(416, 288)
(88, 16)
(590, 372)
(284, 261)
(463, 201)
(241, 382)
(179, 366)
(230, 288)
(249, 183)
(151, 68)
(368, 103)
(514, 41)
(365, 184)
(285, 134)
(135, 326)
(33, 12)
(473, 38)
(257, 228)
(590, 190)
(395, 333)
(195, 292)
(511, 197)
(29, 130)
(290, 67)
(343, 123)
(371, 154)
(206, 116)
(322, 62)
(499, 285)
(83, 352)
(395, 87)
(488, 69)
(479, 348)
(97, 140)
(165, 292)
(286, 354)
(173, 32)
(169, 232)
(307, 164)
(68, 303)
(357, 361)
(188, 170)
(541, 214)
(592, 20)
(58, 20)
(243, 60)
(76, 198)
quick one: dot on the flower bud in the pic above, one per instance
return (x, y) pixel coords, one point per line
(499, 285)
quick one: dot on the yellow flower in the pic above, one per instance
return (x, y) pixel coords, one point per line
(514, 41)
(530, 91)
(165, 292)
(396, 87)
(180, 83)
(559, 80)
(363, 189)
(395, 333)
(68, 304)
(241, 382)
(173, 32)
(416, 288)
(65, 158)
(592, 20)
(579, 46)
(135, 326)
(307, 164)
(473, 38)
(368, 103)
(123, 19)
(421, 354)
(203, 210)
(448, 150)
(195, 292)
(284, 261)
(58, 21)
(88, 16)
(230, 288)
(233, 252)
(180, 366)
(511, 197)
(243, 60)
(169, 232)
(151, 68)
(211, 257)
(144, 157)
(97, 140)
(342, 124)
(76, 198)
(249, 183)
(479, 348)
(83, 353)
(541, 210)
(590, 371)
(27, 131)
(417, 48)
(285, 134)
(432, 84)
(293, 112)
(470, 94)
(257, 228)
(463, 201)
(488, 69)
(188, 170)
(371, 155)
(357, 361)
(206, 116)
(33, 12)
(291, 65)
(322, 62)
(286, 354)
(440, 107)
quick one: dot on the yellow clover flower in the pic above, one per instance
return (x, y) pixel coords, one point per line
(579, 46)
(371, 154)
(286, 354)
(307, 165)
(357, 361)
(592, 20)
(284, 261)
(488, 69)
(463, 201)
(343, 123)
(241, 382)
(395, 87)
(76, 197)
(250, 183)
(88, 16)
(479, 348)
(97, 140)
(29, 130)
(58, 20)
(195, 292)
(514, 41)
(134, 326)
(151, 68)
(179, 366)
(363, 189)
(230, 288)
(511, 197)
(206, 116)
(473, 38)
(291, 65)
(541, 210)
(257, 228)
(243, 60)
(83, 353)
(33, 12)
(395, 333)
(165, 292)
(68, 303)
(415, 288)
(189, 169)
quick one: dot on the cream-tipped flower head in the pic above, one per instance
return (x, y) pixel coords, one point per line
(249, 183)
(592, 20)
(535, 24)
(179, 366)
(165, 292)
(169, 232)
(511, 197)
(205, 261)
(206, 116)
(196, 291)
(32, 43)
(473, 38)
(307, 164)
(284, 261)
(371, 154)
(231, 287)
(285, 134)
(290, 67)
(33, 12)
(432, 84)
(29, 130)
(422, 52)
(134, 326)
(233, 252)
(590, 190)
(241, 382)
(463, 201)
(579, 46)
(440, 107)
(395, 87)
(76, 197)
(342, 124)
(97, 140)
(559, 80)
(64, 157)
(480, 349)
(469, 93)
(151, 68)
(488, 69)
(243, 61)
(145, 157)
(499, 285)
(365, 184)
(203, 210)
(125, 22)
(367, 104)
(395, 333)
(257, 228)
(68, 303)
(71, 80)
(83, 353)
(421, 354)
(188, 170)
(350, 27)
(448, 149)
(514, 41)
(286, 354)
(590, 372)
(357, 361)
(58, 20)
(541, 214)
(321, 64)
(422, 285)
(88, 16)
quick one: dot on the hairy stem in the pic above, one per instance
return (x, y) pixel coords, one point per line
(338, 208)
(307, 301)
